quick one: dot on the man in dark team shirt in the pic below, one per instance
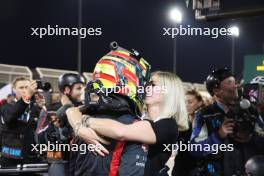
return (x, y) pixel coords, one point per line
(18, 125)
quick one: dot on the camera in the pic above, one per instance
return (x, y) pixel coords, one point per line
(45, 86)
(244, 112)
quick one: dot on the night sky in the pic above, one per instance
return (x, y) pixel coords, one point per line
(133, 24)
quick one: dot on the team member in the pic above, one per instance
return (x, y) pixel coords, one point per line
(18, 125)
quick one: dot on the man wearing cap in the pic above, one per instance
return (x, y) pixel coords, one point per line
(212, 128)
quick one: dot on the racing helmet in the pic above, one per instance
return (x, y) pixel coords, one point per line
(256, 90)
(69, 79)
(123, 72)
(258, 80)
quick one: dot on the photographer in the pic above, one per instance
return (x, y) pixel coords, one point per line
(216, 124)
(18, 125)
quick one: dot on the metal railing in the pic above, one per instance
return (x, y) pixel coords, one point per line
(9, 72)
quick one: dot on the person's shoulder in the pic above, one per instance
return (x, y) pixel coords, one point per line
(167, 120)
(128, 118)
(6, 106)
(209, 109)
(162, 122)
(169, 123)
(54, 106)
(2, 102)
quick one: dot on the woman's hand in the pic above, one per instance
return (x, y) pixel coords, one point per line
(90, 137)
(87, 134)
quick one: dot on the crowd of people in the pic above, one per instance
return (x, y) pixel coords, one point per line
(132, 128)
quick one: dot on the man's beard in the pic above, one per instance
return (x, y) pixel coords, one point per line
(229, 101)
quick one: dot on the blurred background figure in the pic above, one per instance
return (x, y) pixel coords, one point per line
(194, 101)
(39, 104)
(255, 166)
(55, 101)
(207, 100)
(10, 98)
(184, 163)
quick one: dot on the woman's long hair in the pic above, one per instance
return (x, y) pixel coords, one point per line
(173, 98)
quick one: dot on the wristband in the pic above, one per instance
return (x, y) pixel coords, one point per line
(86, 121)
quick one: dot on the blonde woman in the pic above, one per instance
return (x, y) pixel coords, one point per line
(166, 114)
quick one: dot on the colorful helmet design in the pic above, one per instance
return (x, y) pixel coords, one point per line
(123, 72)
